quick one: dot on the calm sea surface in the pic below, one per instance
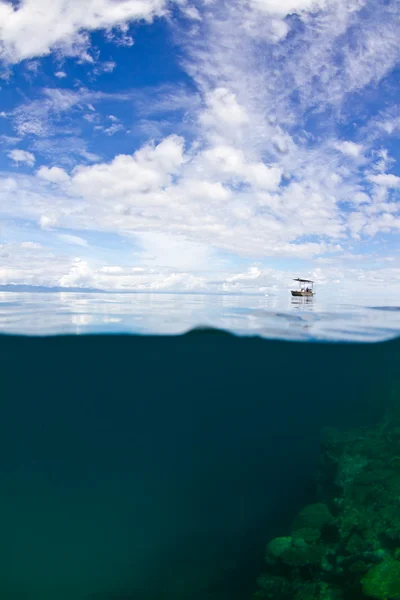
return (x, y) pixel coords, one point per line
(279, 316)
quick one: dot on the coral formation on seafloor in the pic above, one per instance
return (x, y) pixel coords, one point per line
(345, 546)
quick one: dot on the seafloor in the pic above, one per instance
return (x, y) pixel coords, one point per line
(201, 467)
(345, 545)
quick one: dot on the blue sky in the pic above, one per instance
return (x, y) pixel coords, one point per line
(204, 146)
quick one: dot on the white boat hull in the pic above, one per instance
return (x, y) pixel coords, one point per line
(301, 293)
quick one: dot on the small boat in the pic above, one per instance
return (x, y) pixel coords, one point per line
(306, 288)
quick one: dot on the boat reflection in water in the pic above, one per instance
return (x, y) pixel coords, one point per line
(302, 300)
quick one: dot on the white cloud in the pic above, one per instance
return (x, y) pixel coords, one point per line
(212, 199)
(191, 12)
(250, 275)
(112, 270)
(31, 245)
(73, 239)
(286, 7)
(265, 76)
(120, 35)
(53, 122)
(386, 180)
(53, 174)
(60, 74)
(33, 66)
(8, 184)
(227, 161)
(349, 148)
(48, 221)
(34, 29)
(22, 156)
(104, 67)
(223, 110)
(390, 126)
(113, 129)
(148, 169)
(79, 275)
(10, 140)
(169, 251)
(92, 117)
(38, 118)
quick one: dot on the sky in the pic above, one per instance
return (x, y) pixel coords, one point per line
(203, 146)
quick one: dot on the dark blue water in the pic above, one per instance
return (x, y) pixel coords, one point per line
(158, 467)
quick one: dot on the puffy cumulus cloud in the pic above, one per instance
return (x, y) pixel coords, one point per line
(227, 162)
(215, 196)
(52, 174)
(187, 205)
(33, 29)
(223, 110)
(22, 156)
(79, 275)
(150, 168)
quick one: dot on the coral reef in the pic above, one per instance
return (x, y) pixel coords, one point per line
(345, 546)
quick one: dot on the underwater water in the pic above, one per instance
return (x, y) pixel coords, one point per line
(158, 467)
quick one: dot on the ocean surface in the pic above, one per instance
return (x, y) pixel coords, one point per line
(156, 464)
(274, 316)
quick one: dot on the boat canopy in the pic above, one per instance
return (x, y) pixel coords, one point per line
(303, 280)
